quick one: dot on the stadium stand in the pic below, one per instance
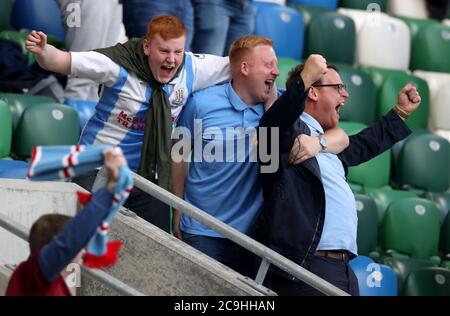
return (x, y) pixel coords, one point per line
(401, 223)
(41, 15)
(84, 108)
(383, 197)
(381, 40)
(442, 201)
(373, 173)
(5, 130)
(428, 282)
(5, 15)
(45, 124)
(430, 49)
(423, 163)
(444, 244)
(414, 9)
(367, 5)
(439, 84)
(361, 104)
(282, 24)
(388, 82)
(13, 169)
(403, 267)
(309, 12)
(367, 238)
(324, 31)
(415, 24)
(330, 4)
(19, 102)
(285, 65)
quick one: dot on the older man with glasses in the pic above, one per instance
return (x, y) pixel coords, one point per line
(309, 213)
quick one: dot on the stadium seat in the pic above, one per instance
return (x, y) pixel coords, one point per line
(356, 188)
(361, 104)
(430, 49)
(444, 244)
(285, 26)
(84, 108)
(374, 279)
(45, 124)
(373, 173)
(411, 227)
(403, 267)
(439, 84)
(41, 15)
(5, 14)
(19, 102)
(423, 163)
(5, 129)
(330, 4)
(367, 225)
(364, 4)
(415, 25)
(329, 28)
(309, 12)
(381, 40)
(13, 169)
(384, 197)
(285, 65)
(442, 201)
(389, 83)
(428, 282)
(414, 9)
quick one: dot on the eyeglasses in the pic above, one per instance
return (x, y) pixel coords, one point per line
(340, 87)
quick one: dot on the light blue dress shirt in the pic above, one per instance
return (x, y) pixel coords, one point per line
(341, 220)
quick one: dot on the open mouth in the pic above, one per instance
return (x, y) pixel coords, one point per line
(269, 83)
(338, 107)
(167, 69)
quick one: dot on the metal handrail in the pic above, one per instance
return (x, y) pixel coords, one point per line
(268, 255)
(111, 282)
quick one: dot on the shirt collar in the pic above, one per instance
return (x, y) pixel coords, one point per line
(240, 105)
(311, 122)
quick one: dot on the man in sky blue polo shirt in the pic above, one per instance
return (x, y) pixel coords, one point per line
(220, 123)
(224, 181)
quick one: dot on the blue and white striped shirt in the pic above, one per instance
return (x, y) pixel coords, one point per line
(121, 113)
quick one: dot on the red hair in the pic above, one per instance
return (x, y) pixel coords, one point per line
(167, 26)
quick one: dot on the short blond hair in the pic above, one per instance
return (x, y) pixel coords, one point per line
(243, 45)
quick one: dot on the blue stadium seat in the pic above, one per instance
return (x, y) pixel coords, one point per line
(84, 108)
(13, 169)
(374, 279)
(42, 15)
(331, 4)
(284, 26)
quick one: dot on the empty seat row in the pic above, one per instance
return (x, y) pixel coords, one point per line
(37, 121)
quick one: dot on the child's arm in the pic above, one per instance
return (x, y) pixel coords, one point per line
(56, 255)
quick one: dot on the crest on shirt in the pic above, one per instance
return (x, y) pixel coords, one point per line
(179, 97)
